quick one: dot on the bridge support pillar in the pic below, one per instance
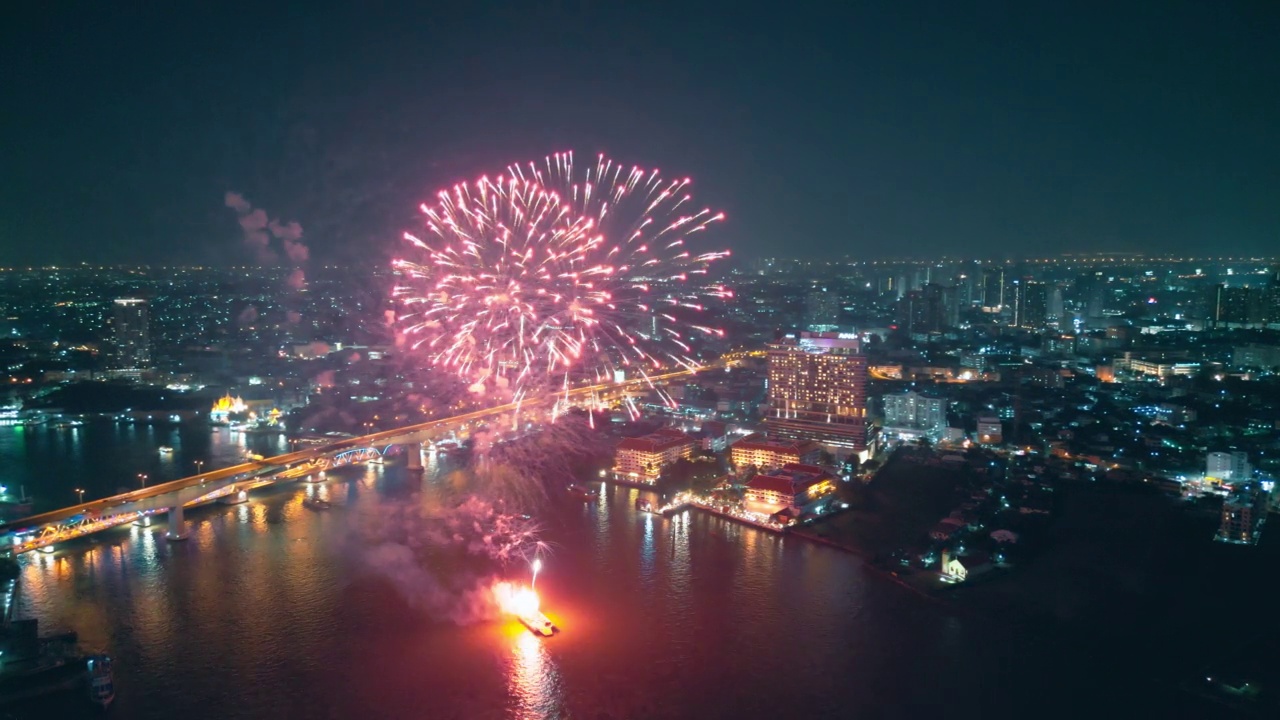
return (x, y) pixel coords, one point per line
(177, 526)
(413, 453)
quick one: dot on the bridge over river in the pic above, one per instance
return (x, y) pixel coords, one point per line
(232, 484)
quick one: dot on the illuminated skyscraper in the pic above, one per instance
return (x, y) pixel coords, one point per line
(1055, 308)
(818, 390)
(910, 313)
(1030, 303)
(993, 299)
(941, 307)
(1091, 297)
(130, 333)
(928, 310)
(1230, 305)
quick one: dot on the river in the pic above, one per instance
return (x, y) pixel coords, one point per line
(270, 610)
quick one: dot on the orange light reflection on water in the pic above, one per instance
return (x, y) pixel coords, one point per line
(533, 680)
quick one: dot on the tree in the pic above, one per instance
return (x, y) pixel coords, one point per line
(870, 467)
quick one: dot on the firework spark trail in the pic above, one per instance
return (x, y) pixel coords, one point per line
(542, 273)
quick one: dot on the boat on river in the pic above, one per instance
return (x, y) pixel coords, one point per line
(538, 624)
(102, 687)
(582, 492)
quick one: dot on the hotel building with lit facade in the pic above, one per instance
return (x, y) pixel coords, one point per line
(642, 459)
(818, 390)
(793, 486)
(766, 454)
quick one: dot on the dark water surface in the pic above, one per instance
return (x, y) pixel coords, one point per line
(105, 458)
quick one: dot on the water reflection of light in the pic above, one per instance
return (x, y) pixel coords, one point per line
(259, 515)
(679, 566)
(89, 558)
(146, 539)
(646, 547)
(534, 681)
(204, 535)
(603, 536)
(319, 491)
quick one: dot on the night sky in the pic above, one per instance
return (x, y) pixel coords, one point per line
(1004, 129)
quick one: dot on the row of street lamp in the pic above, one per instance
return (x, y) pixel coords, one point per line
(142, 478)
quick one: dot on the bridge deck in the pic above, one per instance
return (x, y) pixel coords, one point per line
(184, 490)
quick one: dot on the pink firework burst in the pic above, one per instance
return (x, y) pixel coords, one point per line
(545, 274)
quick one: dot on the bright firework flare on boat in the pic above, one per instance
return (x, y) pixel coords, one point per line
(541, 276)
(522, 602)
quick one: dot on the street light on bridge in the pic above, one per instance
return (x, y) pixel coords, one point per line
(80, 492)
(199, 465)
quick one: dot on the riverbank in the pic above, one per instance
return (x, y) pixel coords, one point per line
(683, 501)
(893, 512)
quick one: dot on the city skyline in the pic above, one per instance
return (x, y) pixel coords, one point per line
(946, 428)
(547, 359)
(865, 133)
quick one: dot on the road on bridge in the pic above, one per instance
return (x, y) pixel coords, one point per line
(385, 437)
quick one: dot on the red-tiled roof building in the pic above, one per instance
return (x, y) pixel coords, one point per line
(794, 485)
(641, 459)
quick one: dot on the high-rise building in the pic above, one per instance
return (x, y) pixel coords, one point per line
(1243, 512)
(914, 415)
(1273, 298)
(932, 309)
(941, 307)
(818, 390)
(1228, 467)
(910, 312)
(1055, 308)
(131, 334)
(993, 290)
(968, 293)
(1031, 303)
(1230, 305)
(1092, 294)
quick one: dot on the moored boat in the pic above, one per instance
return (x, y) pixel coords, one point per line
(538, 624)
(102, 688)
(582, 491)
